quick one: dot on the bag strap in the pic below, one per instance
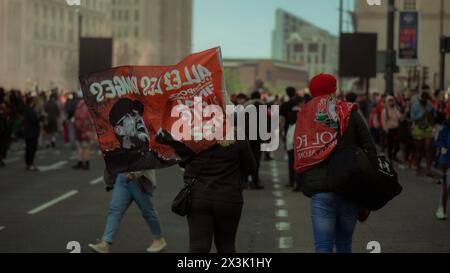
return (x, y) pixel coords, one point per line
(339, 134)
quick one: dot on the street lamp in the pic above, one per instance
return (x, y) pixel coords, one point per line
(390, 64)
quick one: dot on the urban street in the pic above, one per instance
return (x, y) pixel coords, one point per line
(44, 211)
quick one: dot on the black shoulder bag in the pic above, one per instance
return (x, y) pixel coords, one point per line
(368, 180)
(182, 203)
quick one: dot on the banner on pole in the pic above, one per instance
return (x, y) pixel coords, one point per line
(408, 40)
(131, 104)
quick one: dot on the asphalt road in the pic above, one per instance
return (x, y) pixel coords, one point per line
(43, 212)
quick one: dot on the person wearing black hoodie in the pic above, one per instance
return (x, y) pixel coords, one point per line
(255, 144)
(31, 124)
(217, 177)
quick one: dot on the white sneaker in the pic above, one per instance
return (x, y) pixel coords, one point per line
(102, 247)
(157, 246)
(440, 215)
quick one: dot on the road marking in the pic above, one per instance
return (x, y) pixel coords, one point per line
(280, 203)
(20, 152)
(278, 193)
(12, 160)
(276, 186)
(2, 228)
(285, 242)
(56, 166)
(281, 213)
(96, 181)
(52, 202)
(276, 180)
(283, 226)
(41, 152)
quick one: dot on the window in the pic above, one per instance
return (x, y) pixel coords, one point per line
(409, 5)
(269, 75)
(298, 48)
(70, 37)
(324, 53)
(36, 31)
(313, 48)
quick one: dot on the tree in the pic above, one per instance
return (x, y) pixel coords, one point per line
(233, 82)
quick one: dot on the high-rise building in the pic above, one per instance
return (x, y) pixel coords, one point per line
(39, 38)
(39, 41)
(151, 31)
(433, 19)
(298, 41)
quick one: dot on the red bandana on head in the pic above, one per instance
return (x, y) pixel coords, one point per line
(316, 130)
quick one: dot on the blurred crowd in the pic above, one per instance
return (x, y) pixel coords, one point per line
(405, 126)
(38, 117)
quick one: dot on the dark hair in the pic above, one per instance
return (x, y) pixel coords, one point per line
(425, 96)
(2, 93)
(241, 96)
(122, 107)
(307, 98)
(291, 92)
(255, 95)
(29, 100)
(298, 100)
(351, 97)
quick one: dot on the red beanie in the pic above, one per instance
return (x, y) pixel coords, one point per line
(322, 84)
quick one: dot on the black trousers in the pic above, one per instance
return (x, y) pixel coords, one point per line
(31, 145)
(213, 219)
(392, 143)
(291, 160)
(256, 151)
(5, 141)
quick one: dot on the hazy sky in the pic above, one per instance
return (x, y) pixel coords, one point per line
(243, 28)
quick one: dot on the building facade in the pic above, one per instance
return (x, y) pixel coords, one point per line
(297, 41)
(39, 41)
(374, 19)
(39, 38)
(276, 75)
(151, 31)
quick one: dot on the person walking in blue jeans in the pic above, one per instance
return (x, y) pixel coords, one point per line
(137, 187)
(334, 220)
(321, 124)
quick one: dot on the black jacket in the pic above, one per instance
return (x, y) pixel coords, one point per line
(220, 172)
(31, 123)
(357, 133)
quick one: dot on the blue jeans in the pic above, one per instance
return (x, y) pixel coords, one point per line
(124, 193)
(334, 221)
(445, 191)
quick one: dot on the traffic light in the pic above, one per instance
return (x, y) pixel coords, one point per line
(445, 44)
